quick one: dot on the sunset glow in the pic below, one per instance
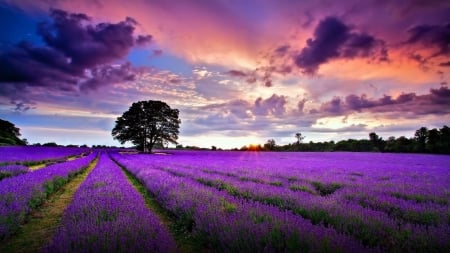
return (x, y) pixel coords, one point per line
(240, 72)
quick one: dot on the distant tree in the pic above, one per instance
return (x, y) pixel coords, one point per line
(9, 134)
(270, 144)
(432, 144)
(377, 142)
(213, 148)
(50, 144)
(299, 138)
(147, 123)
(444, 140)
(420, 137)
(244, 148)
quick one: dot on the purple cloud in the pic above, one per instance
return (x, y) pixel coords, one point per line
(436, 102)
(333, 39)
(434, 36)
(236, 73)
(76, 53)
(274, 105)
(106, 74)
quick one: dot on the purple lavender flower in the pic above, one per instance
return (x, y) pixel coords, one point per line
(12, 170)
(108, 215)
(20, 194)
(27, 154)
(391, 202)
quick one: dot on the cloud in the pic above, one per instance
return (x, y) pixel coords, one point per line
(332, 40)
(271, 107)
(436, 102)
(434, 36)
(274, 105)
(445, 64)
(107, 74)
(236, 73)
(75, 53)
(351, 128)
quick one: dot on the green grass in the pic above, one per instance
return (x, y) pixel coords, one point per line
(43, 222)
(325, 189)
(181, 227)
(421, 198)
(302, 188)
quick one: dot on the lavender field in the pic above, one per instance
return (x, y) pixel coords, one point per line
(243, 202)
(301, 202)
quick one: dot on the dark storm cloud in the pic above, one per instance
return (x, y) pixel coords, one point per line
(333, 39)
(73, 48)
(434, 36)
(436, 102)
(236, 73)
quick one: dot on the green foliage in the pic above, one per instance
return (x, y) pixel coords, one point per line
(435, 141)
(146, 124)
(276, 183)
(9, 134)
(421, 198)
(5, 174)
(302, 188)
(227, 206)
(325, 189)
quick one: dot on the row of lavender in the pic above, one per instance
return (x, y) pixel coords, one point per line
(108, 215)
(31, 154)
(232, 224)
(22, 193)
(12, 170)
(431, 209)
(378, 213)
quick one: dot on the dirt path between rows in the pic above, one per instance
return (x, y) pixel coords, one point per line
(43, 222)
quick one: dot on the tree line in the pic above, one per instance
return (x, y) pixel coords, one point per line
(436, 141)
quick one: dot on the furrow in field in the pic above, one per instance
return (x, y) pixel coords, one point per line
(231, 224)
(21, 194)
(43, 222)
(108, 215)
(371, 227)
(185, 241)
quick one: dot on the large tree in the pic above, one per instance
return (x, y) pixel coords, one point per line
(9, 134)
(147, 123)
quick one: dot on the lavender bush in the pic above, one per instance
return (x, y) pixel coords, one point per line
(390, 202)
(12, 170)
(108, 215)
(20, 194)
(231, 224)
(31, 154)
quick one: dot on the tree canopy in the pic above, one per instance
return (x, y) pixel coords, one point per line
(9, 134)
(147, 123)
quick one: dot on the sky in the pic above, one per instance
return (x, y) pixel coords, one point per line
(240, 72)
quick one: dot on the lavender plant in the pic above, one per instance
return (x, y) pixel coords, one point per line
(20, 194)
(12, 170)
(399, 203)
(108, 215)
(30, 154)
(230, 224)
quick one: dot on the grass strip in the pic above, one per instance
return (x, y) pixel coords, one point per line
(44, 221)
(186, 241)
